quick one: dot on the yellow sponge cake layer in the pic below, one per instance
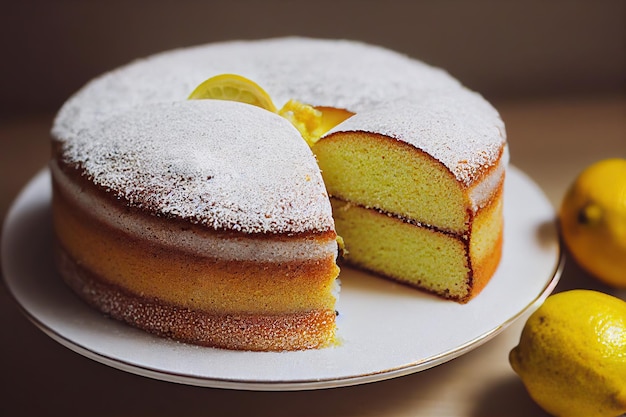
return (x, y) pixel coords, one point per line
(375, 171)
(447, 264)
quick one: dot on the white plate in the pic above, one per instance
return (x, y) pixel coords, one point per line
(387, 330)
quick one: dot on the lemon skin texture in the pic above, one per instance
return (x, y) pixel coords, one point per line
(572, 355)
(593, 221)
(233, 87)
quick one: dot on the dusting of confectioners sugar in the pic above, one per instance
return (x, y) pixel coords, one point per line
(224, 164)
(137, 135)
(459, 128)
(336, 73)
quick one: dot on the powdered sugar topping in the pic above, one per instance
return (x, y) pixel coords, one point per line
(224, 164)
(233, 166)
(343, 74)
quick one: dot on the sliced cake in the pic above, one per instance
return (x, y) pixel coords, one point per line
(416, 189)
(209, 221)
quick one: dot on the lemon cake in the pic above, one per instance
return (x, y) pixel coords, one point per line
(210, 222)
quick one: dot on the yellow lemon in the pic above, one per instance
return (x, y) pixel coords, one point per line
(593, 220)
(572, 355)
(233, 87)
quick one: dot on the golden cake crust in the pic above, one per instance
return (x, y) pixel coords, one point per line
(257, 332)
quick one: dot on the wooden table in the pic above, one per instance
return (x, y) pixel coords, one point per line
(551, 140)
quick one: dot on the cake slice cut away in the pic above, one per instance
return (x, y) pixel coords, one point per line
(419, 199)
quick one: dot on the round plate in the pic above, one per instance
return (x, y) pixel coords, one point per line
(385, 329)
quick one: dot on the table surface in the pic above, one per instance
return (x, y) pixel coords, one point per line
(551, 139)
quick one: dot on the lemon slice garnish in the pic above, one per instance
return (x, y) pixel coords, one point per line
(233, 87)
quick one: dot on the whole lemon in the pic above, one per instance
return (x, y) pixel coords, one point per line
(593, 220)
(572, 354)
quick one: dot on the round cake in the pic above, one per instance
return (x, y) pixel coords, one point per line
(213, 222)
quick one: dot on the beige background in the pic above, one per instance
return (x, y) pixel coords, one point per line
(554, 69)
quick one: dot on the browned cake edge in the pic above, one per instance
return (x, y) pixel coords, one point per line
(290, 331)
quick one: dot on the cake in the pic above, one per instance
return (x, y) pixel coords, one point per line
(210, 221)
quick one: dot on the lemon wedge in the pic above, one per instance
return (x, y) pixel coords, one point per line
(233, 87)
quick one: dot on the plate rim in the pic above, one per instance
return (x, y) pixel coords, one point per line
(277, 385)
